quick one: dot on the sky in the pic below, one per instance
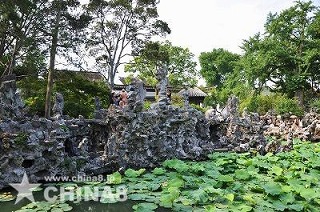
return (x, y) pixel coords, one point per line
(202, 25)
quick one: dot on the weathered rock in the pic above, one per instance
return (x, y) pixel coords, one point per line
(11, 105)
(58, 106)
(236, 133)
(162, 78)
(118, 139)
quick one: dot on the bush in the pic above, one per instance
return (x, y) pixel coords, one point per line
(212, 98)
(176, 100)
(315, 104)
(198, 107)
(285, 105)
(78, 92)
(276, 102)
(146, 105)
(260, 103)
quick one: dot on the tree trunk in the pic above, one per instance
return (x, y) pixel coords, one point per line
(111, 81)
(12, 61)
(53, 52)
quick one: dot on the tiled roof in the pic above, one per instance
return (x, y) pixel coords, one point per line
(194, 92)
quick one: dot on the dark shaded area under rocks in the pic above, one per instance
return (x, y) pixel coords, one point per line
(118, 139)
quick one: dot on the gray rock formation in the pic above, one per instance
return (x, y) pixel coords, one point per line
(115, 139)
(233, 132)
(132, 137)
(11, 105)
(136, 96)
(145, 139)
(161, 76)
(58, 106)
(185, 96)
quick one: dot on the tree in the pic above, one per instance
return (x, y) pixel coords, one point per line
(79, 93)
(217, 65)
(120, 29)
(19, 35)
(179, 61)
(60, 31)
(288, 53)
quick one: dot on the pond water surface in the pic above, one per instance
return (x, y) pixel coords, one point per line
(83, 206)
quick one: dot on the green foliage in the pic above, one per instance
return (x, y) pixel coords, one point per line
(217, 65)
(212, 98)
(274, 102)
(179, 61)
(21, 139)
(287, 53)
(33, 92)
(78, 93)
(177, 100)
(198, 107)
(20, 22)
(6, 197)
(121, 26)
(115, 178)
(286, 105)
(234, 182)
(46, 206)
(236, 84)
(315, 104)
(134, 173)
(144, 207)
(147, 105)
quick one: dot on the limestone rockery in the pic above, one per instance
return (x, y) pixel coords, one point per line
(116, 138)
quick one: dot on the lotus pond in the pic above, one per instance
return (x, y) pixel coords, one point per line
(288, 181)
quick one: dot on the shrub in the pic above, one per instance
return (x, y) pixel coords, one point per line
(198, 107)
(176, 100)
(78, 92)
(146, 105)
(286, 105)
(277, 102)
(315, 104)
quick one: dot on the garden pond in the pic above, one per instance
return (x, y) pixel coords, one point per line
(286, 181)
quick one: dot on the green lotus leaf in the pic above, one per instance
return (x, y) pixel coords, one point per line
(276, 170)
(176, 164)
(242, 174)
(229, 197)
(159, 171)
(65, 207)
(56, 210)
(200, 196)
(36, 189)
(272, 188)
(225, 178)
(181, 208)
(309, 194)
(6, 197)
(114, 178)
(145, 207)
(134, 173)
(296, 207)
(138, 196)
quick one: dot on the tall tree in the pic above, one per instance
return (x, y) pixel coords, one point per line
(120, 29)
(217, 65)
(288, 53)
(179, 61)
(19, 32)
(62, 25)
